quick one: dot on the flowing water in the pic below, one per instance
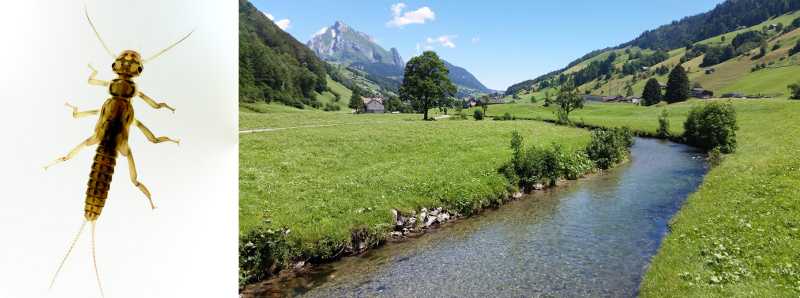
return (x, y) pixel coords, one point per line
(593, 237)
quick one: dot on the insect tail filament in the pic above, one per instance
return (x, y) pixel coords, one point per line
(64, 260)
(94, 260)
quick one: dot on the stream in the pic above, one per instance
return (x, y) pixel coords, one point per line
(591, 237)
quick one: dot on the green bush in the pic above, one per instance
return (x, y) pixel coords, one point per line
(543, 164)
(609, 147)
(505, 117)
(331, 107)
(715, 157)
(663, 124)
(712, 125)
(478, 114)
(573, 165)
(794, 90)
(262, 253)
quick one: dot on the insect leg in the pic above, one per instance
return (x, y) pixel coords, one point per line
(153, 103)
(94, 260)
(150, 136)
(126, 151)
(77, 114)
(64, 260)
(86, 143)
(96, 82)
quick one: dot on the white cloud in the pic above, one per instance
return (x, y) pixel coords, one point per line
(398, 8)
(283, 24)
(476, 39)
(419, 16)
(444, 40)
(320, 32)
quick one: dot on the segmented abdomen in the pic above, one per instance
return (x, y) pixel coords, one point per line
(100, 180)
(103, 167)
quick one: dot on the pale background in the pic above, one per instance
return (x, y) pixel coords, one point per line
(185, 248)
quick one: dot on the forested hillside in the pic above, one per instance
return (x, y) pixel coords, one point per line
(753, 60)
(273, 66)
(654, 51)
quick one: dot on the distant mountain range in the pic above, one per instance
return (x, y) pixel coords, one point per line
(344, 45)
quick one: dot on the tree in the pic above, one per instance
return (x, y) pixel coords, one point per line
(425, 83)
(356, 102)
(629, 90)
(652, 93)
(484, 100)
(795, 50)
(677, 86)
(568, 100)
(547, 99)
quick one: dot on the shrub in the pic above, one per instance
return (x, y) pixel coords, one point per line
(794, 91)
(573, 165)
(478, 114)
(543, 164)
(262, 253)
(331, 107)
(663, 124)
(609, 147)
(712, 125)
(715, 157)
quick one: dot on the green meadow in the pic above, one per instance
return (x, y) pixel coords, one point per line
(738, 234)
(322, 183)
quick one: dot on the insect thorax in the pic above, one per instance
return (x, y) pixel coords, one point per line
(122, 87)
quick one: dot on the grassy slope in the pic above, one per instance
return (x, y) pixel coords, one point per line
(742, 227)
(322, 183)
(328, 97)
(730, 76)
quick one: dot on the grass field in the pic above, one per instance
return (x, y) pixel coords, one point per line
(260, 115)
(738, 234)
(325, 182)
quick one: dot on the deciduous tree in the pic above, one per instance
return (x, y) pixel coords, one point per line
(425, 83)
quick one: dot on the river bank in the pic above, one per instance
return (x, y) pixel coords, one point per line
(596, 222)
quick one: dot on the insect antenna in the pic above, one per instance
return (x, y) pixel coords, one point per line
(168, 48)
(86, 11)
(64, 260)
(94, 261)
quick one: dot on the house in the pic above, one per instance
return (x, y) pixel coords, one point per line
(613, 98)
(634, 100)
(471, 102)
(710, 70)
(662, 85)
(701, 93)
(589, 97)
(373, 105)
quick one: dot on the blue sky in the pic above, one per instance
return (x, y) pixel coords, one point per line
(500, 42)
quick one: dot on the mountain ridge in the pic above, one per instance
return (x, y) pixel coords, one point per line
(341, 44)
